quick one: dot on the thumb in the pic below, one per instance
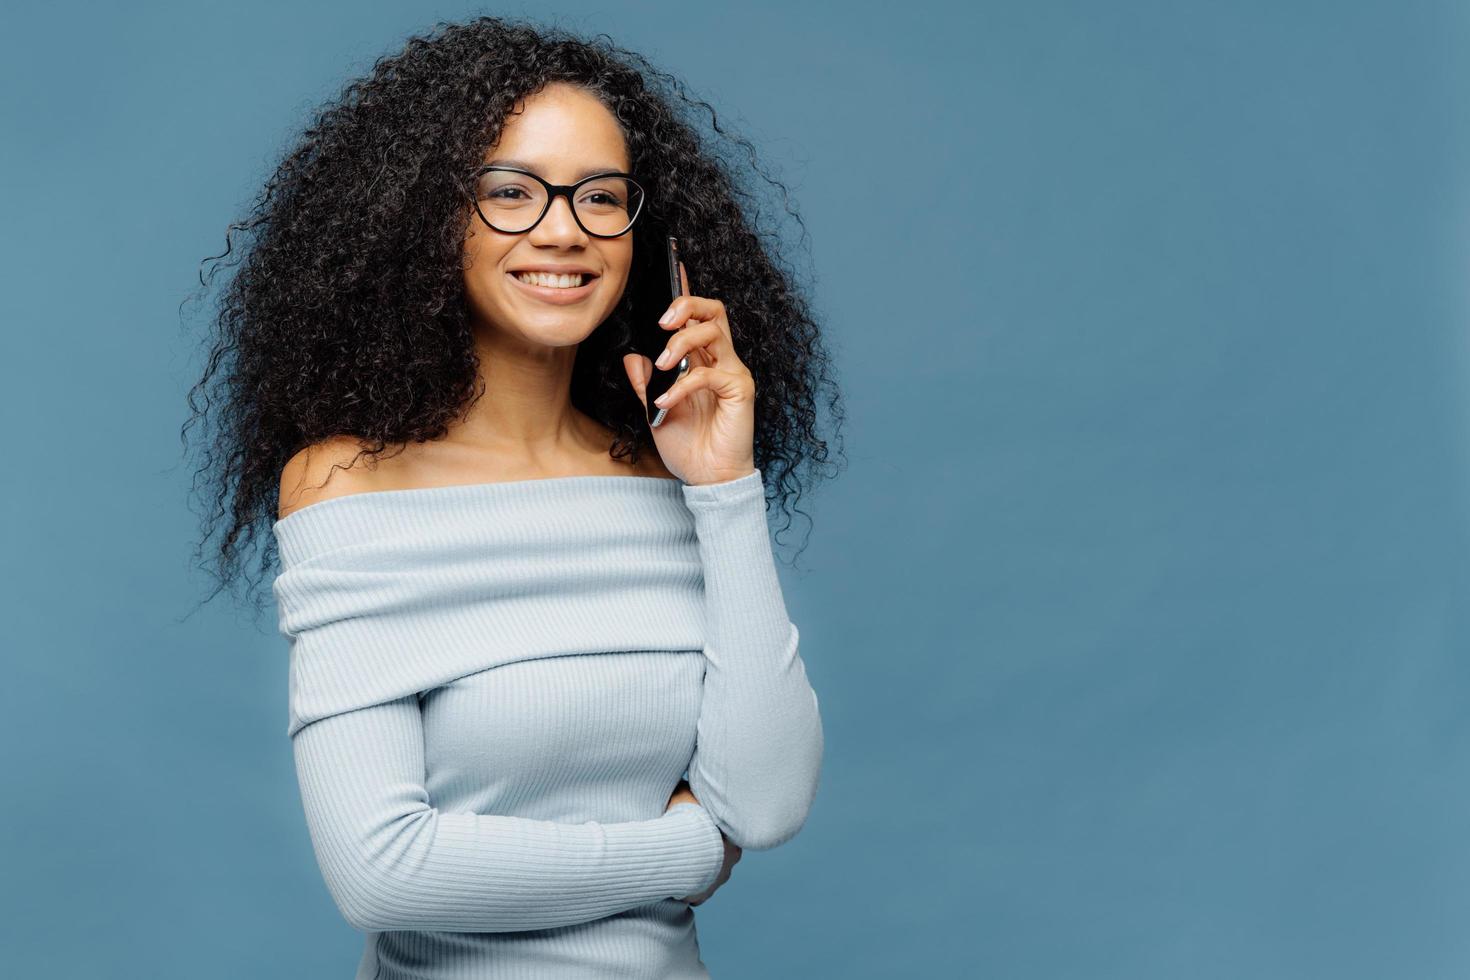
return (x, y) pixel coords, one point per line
(638, 368)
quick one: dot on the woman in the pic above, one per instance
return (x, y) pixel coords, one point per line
(512, 636)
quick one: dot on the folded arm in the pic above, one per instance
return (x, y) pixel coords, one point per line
(392, 861)
(759, 746)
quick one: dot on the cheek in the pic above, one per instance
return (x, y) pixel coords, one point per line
(482, 265)
(616, 285)
(619, 265)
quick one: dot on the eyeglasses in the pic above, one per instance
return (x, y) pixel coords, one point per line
(514, 201)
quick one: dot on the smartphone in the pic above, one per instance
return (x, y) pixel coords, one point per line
(663, 379)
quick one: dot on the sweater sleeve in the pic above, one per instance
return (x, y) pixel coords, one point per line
(392, 861)
(759, 743)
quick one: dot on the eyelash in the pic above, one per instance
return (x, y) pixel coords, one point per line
(604, 193)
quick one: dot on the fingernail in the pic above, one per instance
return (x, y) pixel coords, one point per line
(668, 315)
(663, 360)
(661, 398)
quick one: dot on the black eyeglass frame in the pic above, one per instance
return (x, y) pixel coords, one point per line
(555, 190)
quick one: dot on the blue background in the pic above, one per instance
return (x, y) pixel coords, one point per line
(1138, 616)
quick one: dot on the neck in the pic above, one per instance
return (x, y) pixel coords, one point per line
(526, 409)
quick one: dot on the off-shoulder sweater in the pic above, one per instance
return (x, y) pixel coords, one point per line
(494, 689)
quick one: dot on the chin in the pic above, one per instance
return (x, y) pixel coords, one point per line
(557, 329)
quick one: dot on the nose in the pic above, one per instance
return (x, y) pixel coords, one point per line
(559, 224)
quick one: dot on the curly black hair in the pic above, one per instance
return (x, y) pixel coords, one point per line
(348, 315)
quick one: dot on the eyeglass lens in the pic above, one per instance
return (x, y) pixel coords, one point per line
(511, 202)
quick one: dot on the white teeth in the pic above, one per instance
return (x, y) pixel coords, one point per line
(547, 279)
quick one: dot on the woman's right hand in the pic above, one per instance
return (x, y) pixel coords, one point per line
(682, 794)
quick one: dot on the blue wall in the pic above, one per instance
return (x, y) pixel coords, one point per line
(1138, 616)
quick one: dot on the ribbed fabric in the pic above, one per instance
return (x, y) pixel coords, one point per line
(494, 689)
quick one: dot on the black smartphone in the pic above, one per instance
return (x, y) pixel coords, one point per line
(663, 379)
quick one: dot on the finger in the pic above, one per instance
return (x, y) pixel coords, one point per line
(725, 384)
(699, 333)
(638, 369)
(686, 308)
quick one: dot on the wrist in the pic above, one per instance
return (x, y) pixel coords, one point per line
(722, 476)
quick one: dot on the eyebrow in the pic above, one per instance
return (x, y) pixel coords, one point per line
(523, 165)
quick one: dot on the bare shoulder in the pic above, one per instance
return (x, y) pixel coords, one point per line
(321, 471)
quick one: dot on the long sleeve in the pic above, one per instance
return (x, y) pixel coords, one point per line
(394, 862)
(759, 741)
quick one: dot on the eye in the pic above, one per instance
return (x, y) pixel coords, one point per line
(503, 192)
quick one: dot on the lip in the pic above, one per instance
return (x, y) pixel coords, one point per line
(555, 296)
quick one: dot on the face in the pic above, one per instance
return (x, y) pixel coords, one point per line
(562, 134)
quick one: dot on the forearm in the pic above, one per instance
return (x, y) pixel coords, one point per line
(393, 862)
(759, 744)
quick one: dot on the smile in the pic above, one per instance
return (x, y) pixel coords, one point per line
(558, 295)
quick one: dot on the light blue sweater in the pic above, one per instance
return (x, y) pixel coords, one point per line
(494, 689)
